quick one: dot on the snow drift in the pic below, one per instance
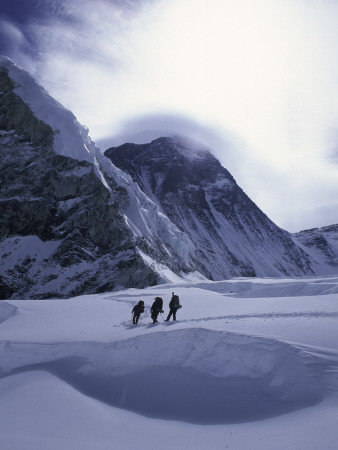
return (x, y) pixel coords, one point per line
(6, 311)
(193, 375)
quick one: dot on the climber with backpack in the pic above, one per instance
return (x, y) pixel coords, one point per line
(174, 305)
(137, 311)
(156, 308)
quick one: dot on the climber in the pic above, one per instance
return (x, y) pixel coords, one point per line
(137, 311)
(174, 305)
(156, 308)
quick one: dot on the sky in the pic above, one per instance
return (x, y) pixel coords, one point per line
(256, 81)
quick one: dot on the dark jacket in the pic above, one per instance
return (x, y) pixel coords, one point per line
(139, 308)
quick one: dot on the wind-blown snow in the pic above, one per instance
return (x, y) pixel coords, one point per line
(246, 361)
(70, 139)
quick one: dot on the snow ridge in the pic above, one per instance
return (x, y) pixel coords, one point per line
(70, 138)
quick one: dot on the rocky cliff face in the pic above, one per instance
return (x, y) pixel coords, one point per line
(61, 233)
(231, 235)
(70, 226)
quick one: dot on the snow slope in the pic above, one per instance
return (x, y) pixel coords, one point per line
(250, 364)
(322, 245)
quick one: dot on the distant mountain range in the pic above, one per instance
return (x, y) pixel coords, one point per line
(75, 220)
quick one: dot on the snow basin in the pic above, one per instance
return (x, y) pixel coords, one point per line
(193, 375)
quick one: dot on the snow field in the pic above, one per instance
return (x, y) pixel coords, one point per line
(234, 371)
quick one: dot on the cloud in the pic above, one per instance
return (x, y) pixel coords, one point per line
(143, 129)
(11, 37)
(297, 196)
(255, 80)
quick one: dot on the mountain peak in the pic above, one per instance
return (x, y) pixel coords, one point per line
(177, 161)
(181, 144)
(231, 235)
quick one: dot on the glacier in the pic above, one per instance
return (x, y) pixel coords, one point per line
(248, 364)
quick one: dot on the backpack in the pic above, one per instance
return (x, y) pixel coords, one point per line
(158, 304)
(141, 306)
(175, 301)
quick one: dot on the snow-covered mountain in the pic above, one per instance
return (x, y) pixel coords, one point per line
(232, 236)
(70, 222)
(73, 220)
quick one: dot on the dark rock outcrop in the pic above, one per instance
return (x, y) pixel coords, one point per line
(79, 241)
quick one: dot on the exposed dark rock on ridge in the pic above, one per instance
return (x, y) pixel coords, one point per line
(233, 237)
